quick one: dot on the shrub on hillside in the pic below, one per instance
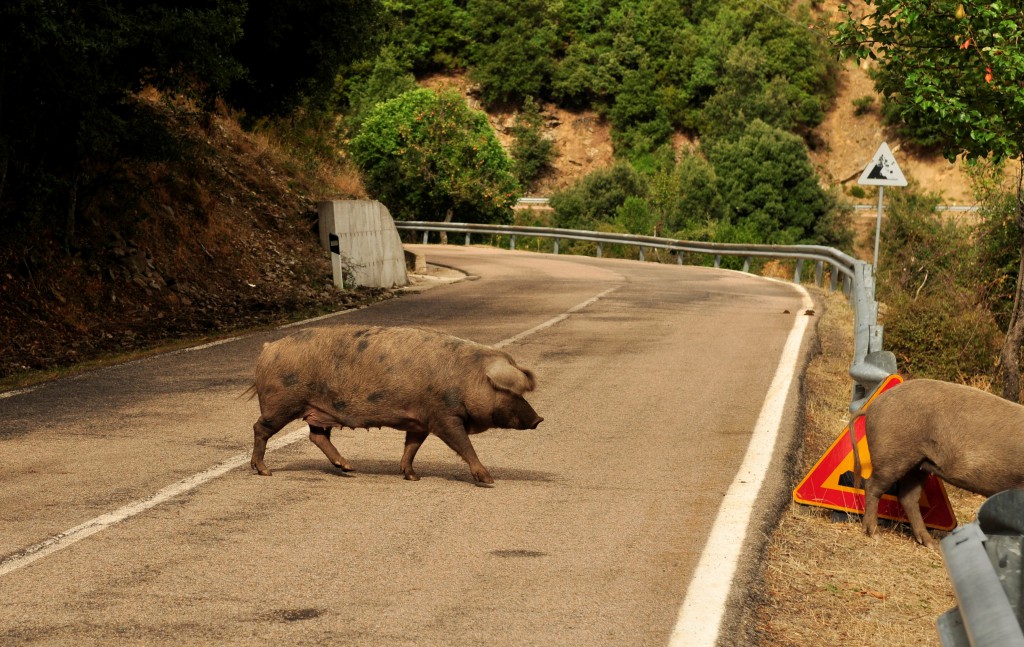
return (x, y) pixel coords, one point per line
(387, 78)
(685, 195)
(769, 185)
(431, 34)
(532, 152)
(998, 236)
(427, 156)
(596, 197)
(936, 322)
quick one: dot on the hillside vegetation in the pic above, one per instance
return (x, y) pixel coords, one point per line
(157, 186)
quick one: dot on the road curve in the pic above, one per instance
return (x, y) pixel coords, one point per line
(652, 379)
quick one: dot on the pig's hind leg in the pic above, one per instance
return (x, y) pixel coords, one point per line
(321, 437)
(262, 430)
(910, 498)
(413, 440)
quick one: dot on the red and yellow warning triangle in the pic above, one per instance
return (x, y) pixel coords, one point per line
(829, 484)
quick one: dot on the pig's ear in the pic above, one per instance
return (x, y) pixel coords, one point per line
(507, 377)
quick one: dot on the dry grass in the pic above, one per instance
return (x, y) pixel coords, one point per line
(826, 582)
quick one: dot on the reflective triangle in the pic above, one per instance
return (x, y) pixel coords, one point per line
(829, 484)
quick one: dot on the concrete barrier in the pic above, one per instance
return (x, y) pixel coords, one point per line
(367, 240)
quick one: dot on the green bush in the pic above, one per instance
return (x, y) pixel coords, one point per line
(998, 236)
(596, 198)
(936, 322)
(388, 77)
(769, 185)
(691, 195)
(863, 105)
(427, 156)
(635, 217)
(532, 152)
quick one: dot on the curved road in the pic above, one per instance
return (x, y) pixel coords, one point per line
(651, 381)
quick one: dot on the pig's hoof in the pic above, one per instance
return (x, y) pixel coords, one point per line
(484, 483)
(344, 467)
(262, 471)
(412, 476)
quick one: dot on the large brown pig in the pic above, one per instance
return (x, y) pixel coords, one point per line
(417, 380)
(965, 436)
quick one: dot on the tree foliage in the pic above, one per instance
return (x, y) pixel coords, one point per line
(511, 50)
(767, 181)
(66, 72)
(532, 152)
(650, 66)
(292, 51)
(70, 70)
(427, 156)
(597, 197)
(958, 66)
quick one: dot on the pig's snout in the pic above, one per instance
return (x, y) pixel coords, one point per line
(525, 415)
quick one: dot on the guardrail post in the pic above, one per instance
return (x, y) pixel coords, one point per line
(819, 268)
(798, 271)
(511, 242)
(599, 250)
(556, 246)
(679, 257)
(467, 238)
(746, 263)
(718, 261)
(641, 252)
(426, 233)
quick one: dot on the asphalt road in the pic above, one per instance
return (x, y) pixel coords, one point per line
(650, 379)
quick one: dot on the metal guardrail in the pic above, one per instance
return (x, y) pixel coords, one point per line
(985, 563)
(941, 207)
(870, 364)
(533, 201)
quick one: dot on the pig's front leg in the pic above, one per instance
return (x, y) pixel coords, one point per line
(413, 440)
(321, 437)
(453, 432)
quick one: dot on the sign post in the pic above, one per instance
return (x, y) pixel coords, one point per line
(881, 171)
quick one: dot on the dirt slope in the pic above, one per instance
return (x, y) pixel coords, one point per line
(851, 141)
(221, 239)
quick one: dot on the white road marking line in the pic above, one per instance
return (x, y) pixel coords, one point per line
(554, 320)
(11, 394)
(26, 556)
(206, 345)
(700, 616)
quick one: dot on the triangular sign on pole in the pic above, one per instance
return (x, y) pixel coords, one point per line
(829, 484)
(882, 170)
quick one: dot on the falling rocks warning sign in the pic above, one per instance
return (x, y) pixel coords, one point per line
(829, 484)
